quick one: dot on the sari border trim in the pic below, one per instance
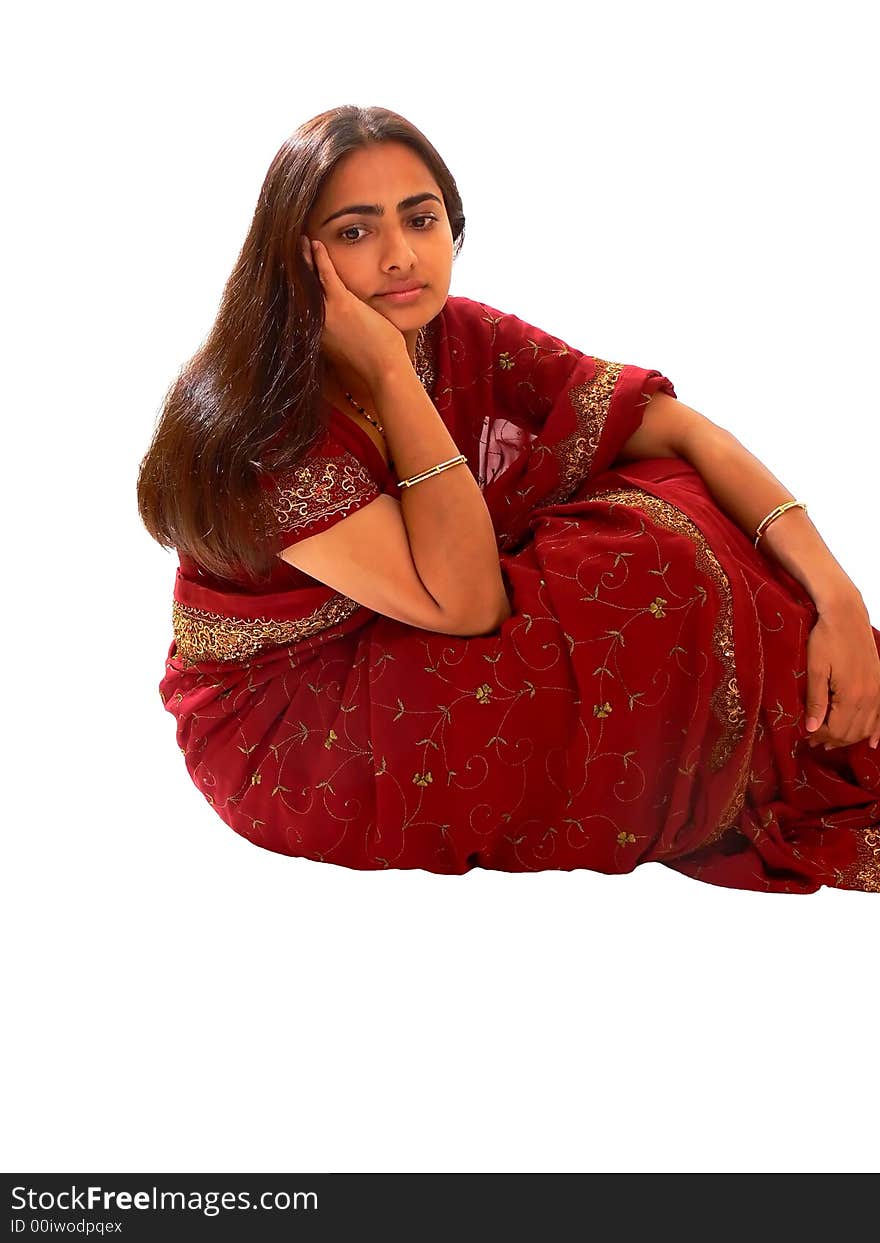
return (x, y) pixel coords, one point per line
(726, 702)
(864, 872)
(201, 636)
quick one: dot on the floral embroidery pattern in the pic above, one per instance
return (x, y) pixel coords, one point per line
(322, 489)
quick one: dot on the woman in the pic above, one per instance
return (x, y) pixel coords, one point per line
(454, 594)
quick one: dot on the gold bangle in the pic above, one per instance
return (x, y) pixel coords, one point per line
(774, 514)
(435, 470)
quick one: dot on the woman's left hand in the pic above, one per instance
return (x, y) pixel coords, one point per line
(842, 658)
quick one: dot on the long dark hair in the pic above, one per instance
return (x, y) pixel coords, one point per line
(252, 390)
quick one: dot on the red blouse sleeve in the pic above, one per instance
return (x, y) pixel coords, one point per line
(330, 483)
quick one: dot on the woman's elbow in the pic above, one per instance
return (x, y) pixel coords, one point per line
(495, 617)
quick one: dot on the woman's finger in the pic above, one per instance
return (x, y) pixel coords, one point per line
(861, 725)
(322, 259)
(306, 248)
(841, 721)
(865, 726)
(334, 286)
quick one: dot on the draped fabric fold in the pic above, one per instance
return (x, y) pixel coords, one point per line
(643, 703)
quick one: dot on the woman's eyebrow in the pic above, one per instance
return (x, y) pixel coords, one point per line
(375, 209)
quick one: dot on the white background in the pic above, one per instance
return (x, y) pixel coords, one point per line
(678, 186)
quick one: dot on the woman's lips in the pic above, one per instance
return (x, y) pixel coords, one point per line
(409, 296)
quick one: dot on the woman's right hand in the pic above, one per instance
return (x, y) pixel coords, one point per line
(354, 333)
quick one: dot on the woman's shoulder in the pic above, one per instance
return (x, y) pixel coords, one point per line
(502, 337)
(461, 309)
(479, 316)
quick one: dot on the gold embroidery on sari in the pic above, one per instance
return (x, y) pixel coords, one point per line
(726, 703)
(865, 872)
(574, 455)
(200, 635)
(426, 354)
(320, 487)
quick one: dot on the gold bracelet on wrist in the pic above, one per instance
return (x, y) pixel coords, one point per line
(435, 470)
(774, 514)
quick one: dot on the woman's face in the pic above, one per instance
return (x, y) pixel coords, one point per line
(373, 250)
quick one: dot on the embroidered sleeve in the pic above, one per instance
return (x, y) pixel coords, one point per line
(328, 485)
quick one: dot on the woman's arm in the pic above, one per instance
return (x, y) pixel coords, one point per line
(841, 652)
(450, 532)
(747, 492)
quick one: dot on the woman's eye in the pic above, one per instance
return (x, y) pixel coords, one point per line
(353, 228)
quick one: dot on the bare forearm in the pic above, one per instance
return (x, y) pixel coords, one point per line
(450, 532)
(747, 492)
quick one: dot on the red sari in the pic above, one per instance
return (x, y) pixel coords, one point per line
(643, 703)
